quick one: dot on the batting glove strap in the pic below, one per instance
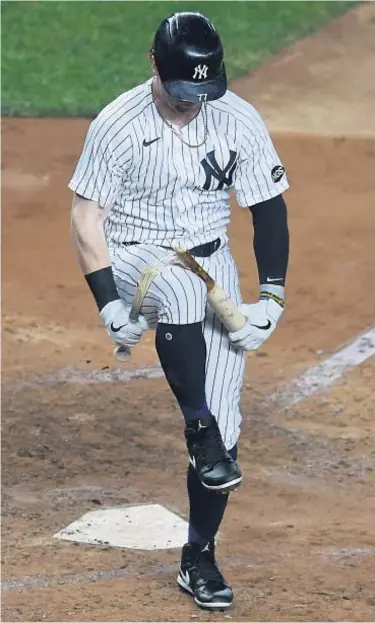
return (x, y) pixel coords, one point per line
(264, 296)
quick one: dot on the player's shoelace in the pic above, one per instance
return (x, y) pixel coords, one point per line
(208, 568)
(211, 446)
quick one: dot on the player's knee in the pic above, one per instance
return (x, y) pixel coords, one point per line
(185, 341)
(187, 335)
(185, 298)
(182, 353)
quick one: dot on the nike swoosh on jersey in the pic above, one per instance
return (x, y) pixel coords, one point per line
(147, 143)
(264, 327)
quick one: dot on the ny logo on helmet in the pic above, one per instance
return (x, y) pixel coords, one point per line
(200, 72)
(212, 170)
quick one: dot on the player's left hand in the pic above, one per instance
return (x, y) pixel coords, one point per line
(262, 318)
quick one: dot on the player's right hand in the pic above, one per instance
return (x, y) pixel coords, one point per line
(115, 317)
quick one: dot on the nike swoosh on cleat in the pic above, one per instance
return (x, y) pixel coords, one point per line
(184, 582)
(185, 576)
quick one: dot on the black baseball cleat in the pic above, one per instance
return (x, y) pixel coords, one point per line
(214, 465)
(200, 576)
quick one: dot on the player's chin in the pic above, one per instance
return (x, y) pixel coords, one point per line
(182, 106)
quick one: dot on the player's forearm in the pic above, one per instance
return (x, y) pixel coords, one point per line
(271, 240)
(88, 235)
(91, 247)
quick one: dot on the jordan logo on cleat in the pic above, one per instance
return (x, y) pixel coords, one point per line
(200, 425)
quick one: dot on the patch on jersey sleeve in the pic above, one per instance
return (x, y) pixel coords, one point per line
(277, 173)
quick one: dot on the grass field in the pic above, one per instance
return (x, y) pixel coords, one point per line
(71, 58)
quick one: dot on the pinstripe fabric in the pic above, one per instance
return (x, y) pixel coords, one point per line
(156, 190)
(225, 366)
(177, 296)
(160, 192)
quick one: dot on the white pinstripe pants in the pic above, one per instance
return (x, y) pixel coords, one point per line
(178, 296)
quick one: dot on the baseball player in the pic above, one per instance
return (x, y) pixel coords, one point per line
(155, 173)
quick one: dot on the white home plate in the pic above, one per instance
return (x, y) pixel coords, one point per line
(147, 527)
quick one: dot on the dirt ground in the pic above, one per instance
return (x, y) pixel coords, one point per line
(298, 540)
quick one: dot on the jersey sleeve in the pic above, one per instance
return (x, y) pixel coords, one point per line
(260, 174)
(95, 176)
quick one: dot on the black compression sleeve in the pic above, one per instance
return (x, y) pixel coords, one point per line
(271, 240)
(103, 287)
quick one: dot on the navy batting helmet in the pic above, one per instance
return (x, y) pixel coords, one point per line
(189, 55)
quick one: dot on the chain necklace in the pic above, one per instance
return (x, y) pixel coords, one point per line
(177, 132)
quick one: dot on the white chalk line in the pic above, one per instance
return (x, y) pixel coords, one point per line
(315, 378)
(325, 373)
(38, 581)
(82, 377)
(47, 581)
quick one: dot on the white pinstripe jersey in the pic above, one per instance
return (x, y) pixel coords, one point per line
(154, 188)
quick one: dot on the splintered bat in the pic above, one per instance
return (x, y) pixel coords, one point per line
(121, 352)
(222, 305)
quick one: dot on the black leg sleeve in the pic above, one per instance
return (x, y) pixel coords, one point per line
(207, 507)
(182, 354)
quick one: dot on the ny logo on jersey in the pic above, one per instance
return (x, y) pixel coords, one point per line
(200, 72)
(212, 170)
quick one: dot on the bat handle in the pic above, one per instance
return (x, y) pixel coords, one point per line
(133, 315)
(121, 352)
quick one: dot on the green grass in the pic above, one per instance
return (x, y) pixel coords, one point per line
(71, 58)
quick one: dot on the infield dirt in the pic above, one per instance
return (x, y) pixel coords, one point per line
(298, 540)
